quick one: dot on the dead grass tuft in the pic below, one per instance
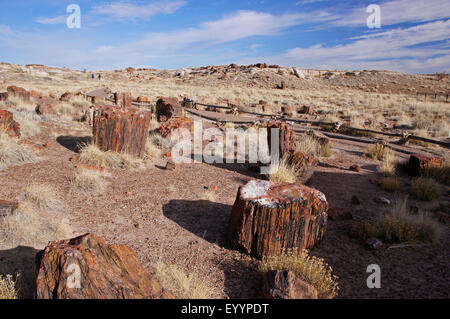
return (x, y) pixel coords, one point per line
(43, 196)
(311, 269)
(309, 145)
(376, 151)
(390, 184)
(12, 153)
(286, 172)
(440, 174)
(425, 188)
(88, 181)
(8, 287)
(91, 154)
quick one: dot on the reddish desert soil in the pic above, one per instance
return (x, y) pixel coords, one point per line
(159, 214)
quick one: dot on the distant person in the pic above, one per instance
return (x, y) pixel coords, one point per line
(99, 76)
(93, 76)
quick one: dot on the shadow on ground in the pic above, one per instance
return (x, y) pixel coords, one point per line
(20, 260)
(74, 143)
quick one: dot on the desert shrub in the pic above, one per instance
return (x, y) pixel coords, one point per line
(400, 225)
(88, 181)
(91, 154)
(309, 145)
(43, 196)
(439, 173)
(8, 287)
(388, 164)
(185, 285)
(31, 226)
(310, 269)
(390, 184)
(12, 153)
(376, 151)
(285, 173)
(425, 188)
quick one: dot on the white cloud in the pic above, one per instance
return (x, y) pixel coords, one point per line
(130, 10)
(55, 20)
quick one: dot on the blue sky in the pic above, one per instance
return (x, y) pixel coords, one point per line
(324, 34)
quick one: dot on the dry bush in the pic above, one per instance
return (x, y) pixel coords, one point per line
(8, 287)
(88, 181)
(425, 188)
(12, 153)
(28, 121)
(285, 173)
(309, 145)
(390, 184)
(91, 154)
(399, 225)
(184, 285)
(43, 196)
(439, 173)
(164, 144)
(376, 151)
(31, 226)
(388, 164)
(310, 269)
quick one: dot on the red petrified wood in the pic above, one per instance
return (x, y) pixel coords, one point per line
(269, 218)
(19, 92)
(168, 127)
(283, 284)
(286, 137)
(304, 165)
(418, 161)
(87, 268)
(121, 130)
(8, 124)
(166, 107)
(124, 100)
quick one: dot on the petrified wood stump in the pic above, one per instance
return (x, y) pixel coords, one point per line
(7, 124)
(286, 137)
(269, 218)
(418, 161)
(123, 100)
(121, 130)
(86, 267)
(166, 108)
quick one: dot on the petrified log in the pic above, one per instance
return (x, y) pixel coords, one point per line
(307, 109)
(142, 99)
(286, 285)
(19, 92)
(86, 267)
(304, 165)
(8, 124)
(270, 218)
(166, 108)
(168, 127)
(121, 130)
(418, 161)
(7, 207)
(123, 100)
(286, 137)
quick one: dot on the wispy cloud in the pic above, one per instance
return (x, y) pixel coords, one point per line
(130, 10)
(55, 20)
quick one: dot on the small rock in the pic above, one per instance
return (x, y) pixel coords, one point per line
(382, 200)
(373, 243)
(355, 168)
(170, 165)
(138, 226)
(286, 285)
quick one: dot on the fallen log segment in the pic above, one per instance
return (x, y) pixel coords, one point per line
(121, 130)
(270, 218)
(86, 267)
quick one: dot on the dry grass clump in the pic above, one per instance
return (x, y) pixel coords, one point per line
(8, 287)
(31, 226)
(152, 150)
(388, 164)
(185, 285)
(309, 145)
(285, 173)
(425, 188)
(154, 125)
(43, 196)
(88, 181)
(310, 269)
(440, 174)
(12, 153)
(399, 225)
(91, 154)
(208, 194)
(28, 121)
(390, 184)
(376, 151)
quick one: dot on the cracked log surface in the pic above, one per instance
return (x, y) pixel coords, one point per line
(269, 218)
(121, 130)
